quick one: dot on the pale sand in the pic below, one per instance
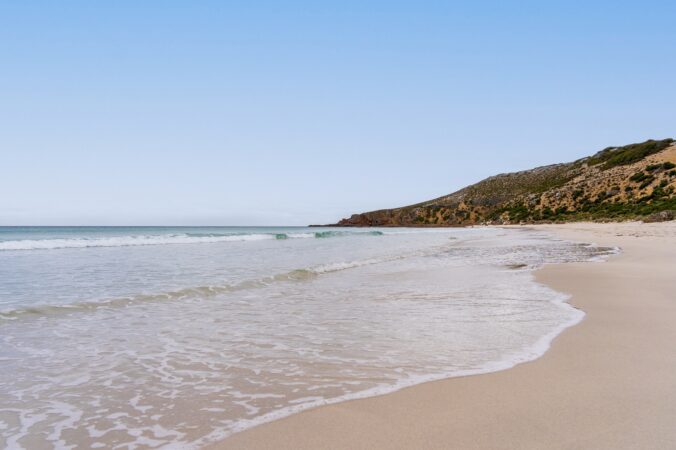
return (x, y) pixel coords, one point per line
(607, 383)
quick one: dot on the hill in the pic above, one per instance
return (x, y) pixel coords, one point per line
(617, 183)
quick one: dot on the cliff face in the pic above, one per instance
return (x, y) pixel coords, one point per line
(632, 181)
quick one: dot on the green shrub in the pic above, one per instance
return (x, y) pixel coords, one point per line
(641, 207)
(638, 176)
(617, 156)
(647, 181)
(658, 192)
(668, 165)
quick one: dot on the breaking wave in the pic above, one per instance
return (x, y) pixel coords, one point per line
(186, 238)
(192, 292)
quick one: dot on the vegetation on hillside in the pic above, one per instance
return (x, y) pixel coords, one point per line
(617, 183)
(616, 156)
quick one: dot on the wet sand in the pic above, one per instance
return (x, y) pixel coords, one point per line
(606, 383)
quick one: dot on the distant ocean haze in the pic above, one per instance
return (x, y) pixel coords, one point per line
(183, 335)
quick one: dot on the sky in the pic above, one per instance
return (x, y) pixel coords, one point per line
(289, 113)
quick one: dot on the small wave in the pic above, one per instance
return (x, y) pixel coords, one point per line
(126, 241)
(301, 235)
(297, 275)
(329, 234)
(187, 238)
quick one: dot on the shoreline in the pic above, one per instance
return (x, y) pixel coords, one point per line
(484, 410)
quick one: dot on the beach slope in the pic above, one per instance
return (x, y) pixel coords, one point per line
(607, 383)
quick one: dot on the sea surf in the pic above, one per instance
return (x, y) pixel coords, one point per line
(178, 337)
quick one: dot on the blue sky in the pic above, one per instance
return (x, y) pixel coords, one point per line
(291, 113)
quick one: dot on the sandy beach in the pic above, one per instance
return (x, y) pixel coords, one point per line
(606, 383)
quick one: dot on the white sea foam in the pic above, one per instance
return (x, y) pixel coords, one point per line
(125, 241)
(168, 239)
(528, 354)
(200, 342)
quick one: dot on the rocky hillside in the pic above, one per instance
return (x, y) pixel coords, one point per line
(633, 181)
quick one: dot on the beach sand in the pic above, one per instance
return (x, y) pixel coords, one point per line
(606, 383)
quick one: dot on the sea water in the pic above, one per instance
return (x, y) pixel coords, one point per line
(145, 337)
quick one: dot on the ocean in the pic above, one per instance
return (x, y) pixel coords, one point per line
(176, 337)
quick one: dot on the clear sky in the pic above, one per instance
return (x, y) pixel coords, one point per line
(245, 112)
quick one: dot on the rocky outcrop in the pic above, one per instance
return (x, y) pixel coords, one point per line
(632, 181)
(662, 216)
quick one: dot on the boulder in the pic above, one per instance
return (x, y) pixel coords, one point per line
(662, 216)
